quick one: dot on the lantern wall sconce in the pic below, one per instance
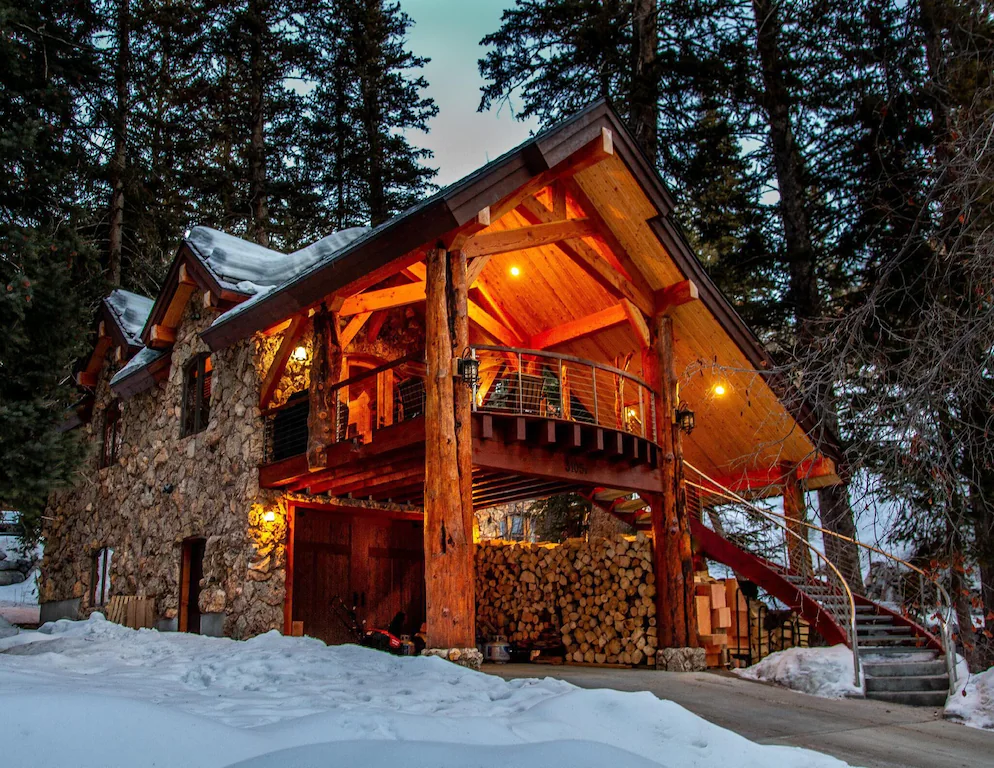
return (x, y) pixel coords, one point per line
(467, 368)
(684, 418)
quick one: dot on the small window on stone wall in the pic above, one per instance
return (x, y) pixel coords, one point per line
(196, 395)
(110, 448)
(100, 576)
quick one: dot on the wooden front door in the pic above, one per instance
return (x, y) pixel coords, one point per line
(191, 572)
(368, 562)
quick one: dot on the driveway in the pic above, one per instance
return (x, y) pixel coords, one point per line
(864, 733)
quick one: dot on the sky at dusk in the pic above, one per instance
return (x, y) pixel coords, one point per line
(449, 32)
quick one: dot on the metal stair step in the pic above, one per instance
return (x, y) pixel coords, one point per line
(894, 650)
(879, 669)
(911, 698)
(907, 683)
(871, 638)
(887, 629)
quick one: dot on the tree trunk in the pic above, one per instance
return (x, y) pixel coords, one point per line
(118, 163)
(258, 197)
(371, 84)
(644, 97)
(326, 371)
(449, 567)
(458, 308)
(803, 294)
(672, 557)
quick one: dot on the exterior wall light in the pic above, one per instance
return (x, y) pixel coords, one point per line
(468, 368)
(684, 418)
(300, 354)
(269, 517)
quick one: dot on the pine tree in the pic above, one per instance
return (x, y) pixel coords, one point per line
(47, 70)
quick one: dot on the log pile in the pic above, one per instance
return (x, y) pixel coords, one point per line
(597, 596)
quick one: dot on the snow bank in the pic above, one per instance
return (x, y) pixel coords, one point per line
(826, 672)
(973, 702)
(122, 697)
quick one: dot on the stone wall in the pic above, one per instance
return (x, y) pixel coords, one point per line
(164, 489)
(595, 596)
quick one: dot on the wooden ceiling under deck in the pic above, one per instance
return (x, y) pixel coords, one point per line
(515, 458)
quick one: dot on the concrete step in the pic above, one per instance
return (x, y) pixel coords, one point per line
(904, 668)
(912, 698)
(909, 683)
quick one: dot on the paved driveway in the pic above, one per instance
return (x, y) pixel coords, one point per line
(864, 733)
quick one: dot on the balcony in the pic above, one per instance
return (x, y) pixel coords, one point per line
(543, 423)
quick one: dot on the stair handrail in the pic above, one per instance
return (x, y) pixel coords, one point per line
(718, 489)
(945, 621)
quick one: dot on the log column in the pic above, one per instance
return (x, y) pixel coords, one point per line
(795, 512)
(672, 558)
(326, 371)
(448, 540)
(458, 307)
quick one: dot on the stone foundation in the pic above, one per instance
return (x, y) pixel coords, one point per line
(681, 660)
(464, 657)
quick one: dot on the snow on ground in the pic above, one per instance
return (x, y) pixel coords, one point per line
(973, 702)
(94, 693)
(826, 672)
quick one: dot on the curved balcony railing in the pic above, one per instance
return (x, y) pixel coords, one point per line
(511, 381)
(529, 382)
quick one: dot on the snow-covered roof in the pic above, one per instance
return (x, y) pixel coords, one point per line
(145, 356)
(130, 311)
(249, 268)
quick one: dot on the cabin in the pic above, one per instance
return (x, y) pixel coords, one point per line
(278, 436)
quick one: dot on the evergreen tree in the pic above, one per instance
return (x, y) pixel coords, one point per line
(47, 71)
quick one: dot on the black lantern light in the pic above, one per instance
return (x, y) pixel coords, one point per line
(469, 369)
(684, 418)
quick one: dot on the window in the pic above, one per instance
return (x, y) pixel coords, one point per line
(196, 395)
(110, 448)
(100, 576)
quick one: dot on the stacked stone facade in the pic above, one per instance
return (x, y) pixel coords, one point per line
(164, 489)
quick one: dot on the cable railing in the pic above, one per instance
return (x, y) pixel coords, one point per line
(818, 576)
(359, 406)
(533, 383)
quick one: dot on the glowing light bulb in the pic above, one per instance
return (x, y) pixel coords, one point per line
(269, 517)
(300, 354)
(515, 272)
(719, 389)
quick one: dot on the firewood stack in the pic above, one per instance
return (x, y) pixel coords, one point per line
(598, 595)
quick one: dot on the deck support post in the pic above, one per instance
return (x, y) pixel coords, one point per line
(326, 371)
(448, 536)
(457, 296)
(676, 619)
(795, 513)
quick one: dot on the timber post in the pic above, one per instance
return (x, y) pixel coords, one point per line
(449, 568)
(457, 297)
(795, 514)
(326, 369)
(672, 557)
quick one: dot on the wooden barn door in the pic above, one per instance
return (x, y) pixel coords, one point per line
(190, 573)
(373, 563)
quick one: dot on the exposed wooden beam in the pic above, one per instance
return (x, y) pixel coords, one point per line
(86, 379)
(278, 366)
(458, 238)
(576, 329)
(521, 238)
(184, 277)
(558, 199)
(415, 271)
(474, 269)
(162, 336)
(675, 295)
(385, 298)
(591, 153)
(494, 327)
(485, 299)
(608, 234)
(638, 323)
(590, 261)
(375, 325)
(353, 327)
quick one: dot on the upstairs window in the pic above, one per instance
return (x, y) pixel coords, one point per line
(196, 395)
(110, 448)
(100, 576)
